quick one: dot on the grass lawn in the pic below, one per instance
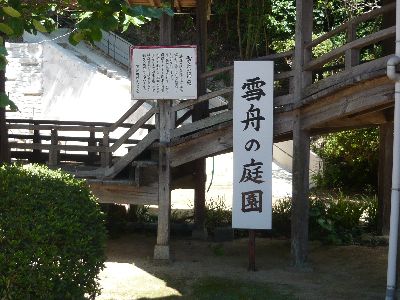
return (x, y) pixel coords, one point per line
(222, 288)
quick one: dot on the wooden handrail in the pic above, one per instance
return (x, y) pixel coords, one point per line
(64, 138)
(275, 55)
(133, 129)
(57, 147)
(126, 115)
(203, 98)
(354, 21)
(359, 43)
(230, 68)
(64, 125)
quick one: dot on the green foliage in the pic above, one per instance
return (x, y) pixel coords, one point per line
(52, 235)
(217, 214)
(333, 218)
(141, 214)
(350, 159)
(116, 218)
(6, 102)
(281, 213)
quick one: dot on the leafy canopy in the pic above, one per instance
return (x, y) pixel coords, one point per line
(17, 16)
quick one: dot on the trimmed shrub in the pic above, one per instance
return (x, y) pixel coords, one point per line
(52, 235)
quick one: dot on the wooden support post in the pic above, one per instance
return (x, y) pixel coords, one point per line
(53, 152)
(252, 250)
(300, 189)
(301, 138)
(352, 56)
(200, 111)
(4, 147)
(36, 140)
(105, 155)
(91, 142)
(385, 176)
(162, 250)
(389, 19)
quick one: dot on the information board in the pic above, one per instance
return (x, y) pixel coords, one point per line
(252, 144)
(164, 72)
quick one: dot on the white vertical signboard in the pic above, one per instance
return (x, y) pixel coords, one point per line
(164, 72)
(252, 144)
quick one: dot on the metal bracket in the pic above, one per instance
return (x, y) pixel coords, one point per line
(391, 68)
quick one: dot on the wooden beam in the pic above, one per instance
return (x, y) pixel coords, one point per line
(123, 192)
(218, 140)
(202, 124)
(364, 72)
(363, 97)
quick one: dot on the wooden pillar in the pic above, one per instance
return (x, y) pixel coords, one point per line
(4, 147)
(53, 152)
(105, 156)
(385, 176)
(36, 153)
(389, 19)
(352, 56)
(301, 137)
(162, 250)
(200, 111)
(91, 142)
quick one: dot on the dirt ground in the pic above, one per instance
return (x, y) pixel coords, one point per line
(335, 272)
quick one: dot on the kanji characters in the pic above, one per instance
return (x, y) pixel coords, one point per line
(252, 172)
(253, 118)
(253, 89)
(252, 201)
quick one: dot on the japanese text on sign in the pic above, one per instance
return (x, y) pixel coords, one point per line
(164, 73)
(252, 145)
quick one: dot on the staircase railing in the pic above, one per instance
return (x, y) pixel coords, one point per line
(43, 140)
(347, 55)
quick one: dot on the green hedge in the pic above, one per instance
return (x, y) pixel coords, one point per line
(333, 218)
(52, 235)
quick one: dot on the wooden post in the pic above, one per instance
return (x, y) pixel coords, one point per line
(352, 56)
(53, 152)
(200, 111)
(91, 142)
(301, 138)
(162, 250)
(4, 146)
(105, 155)
(385, 176)
(252, 250)
(36, 140)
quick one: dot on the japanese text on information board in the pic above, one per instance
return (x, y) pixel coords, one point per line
(164, 72)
